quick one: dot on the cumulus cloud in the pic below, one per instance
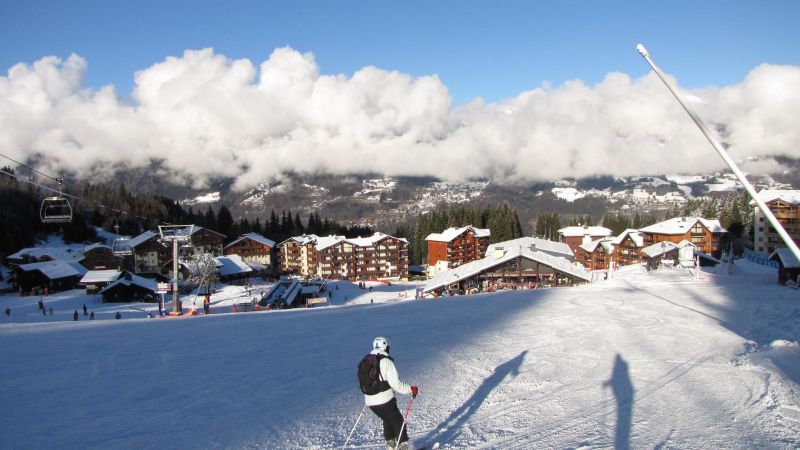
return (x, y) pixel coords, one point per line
(202, 115)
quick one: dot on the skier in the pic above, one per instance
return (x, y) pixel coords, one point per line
(75, 316)
(84, 310)
(384, 404)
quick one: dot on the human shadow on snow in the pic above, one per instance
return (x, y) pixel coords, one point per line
(450, 428)
(622, 387)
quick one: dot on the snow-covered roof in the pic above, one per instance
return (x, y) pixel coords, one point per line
(196, 229)
(789, 196)
(451, 233)
(146, 236)
(302, 240)
(131, 279)
(94, 246)
(636, 237)
(61, 253)
(475, 267)
(787, 258)
(544, 245)
(253, 237)
(100, 276)
(372, 240)
(327, 241)
(52, 269)
(257, 266)
(590, 247)
(659, 248)
(682, 225)
(579, 231)
(232, 265)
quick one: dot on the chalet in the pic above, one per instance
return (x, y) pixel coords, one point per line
(597, 254)
(577, 235)
(42, 254)
(99, 257)
(705, 234)
(513, 268)
(232, 267)
(252, 247)
(53, 275)
(204, 240)
(542, 245)
(129, 288)
(96, 280)
(149, 255)
(628, 246)
(298, 254)
(788, 265)
(785, 205)
(669, 254)
(456, 246)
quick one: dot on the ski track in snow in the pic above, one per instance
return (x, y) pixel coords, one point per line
(642, 360)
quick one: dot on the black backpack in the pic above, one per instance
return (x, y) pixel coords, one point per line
(369, 371)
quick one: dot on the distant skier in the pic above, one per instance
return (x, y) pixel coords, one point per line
(118, 315)
(91, 316)
(84, 310)
(75, 316)
(8, 311)
(383, 403)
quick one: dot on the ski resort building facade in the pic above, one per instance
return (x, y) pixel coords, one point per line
(705, 234)
(510, 268)
(628, 247)
(252, 247)
(597, 254)
(456, 246)
(785, 204)
(576, 236)
(151, 256)
(379, 256)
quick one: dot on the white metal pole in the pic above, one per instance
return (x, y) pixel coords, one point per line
(724, 155)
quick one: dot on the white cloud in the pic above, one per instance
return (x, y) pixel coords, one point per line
(204, 115)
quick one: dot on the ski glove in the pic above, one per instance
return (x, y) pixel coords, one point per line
(414, 391)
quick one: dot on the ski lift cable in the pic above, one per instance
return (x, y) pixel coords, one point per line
(56, 179)
(60, 192)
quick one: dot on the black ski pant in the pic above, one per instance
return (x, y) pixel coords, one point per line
(392, 420)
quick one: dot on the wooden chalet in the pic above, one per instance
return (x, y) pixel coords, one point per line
(99, 257)
(252, 247)
(54, 276)
(788, 266)
(456, 246)
(575, 236)
(130, 288)
(628, 247)
(597, 254)
(705, 234)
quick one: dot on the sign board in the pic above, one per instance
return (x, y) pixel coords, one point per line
(317, 301)
(162, 288)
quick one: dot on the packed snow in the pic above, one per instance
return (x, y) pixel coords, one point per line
(665, 359)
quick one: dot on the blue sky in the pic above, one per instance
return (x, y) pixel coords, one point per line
(493, 50)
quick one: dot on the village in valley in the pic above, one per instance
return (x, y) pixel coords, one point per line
(309, 270)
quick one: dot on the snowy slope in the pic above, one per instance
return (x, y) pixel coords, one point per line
(658, 360)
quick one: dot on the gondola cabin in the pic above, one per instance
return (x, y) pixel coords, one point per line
(55, 210)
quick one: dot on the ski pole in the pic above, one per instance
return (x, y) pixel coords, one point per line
(405, 419)
(354, 427)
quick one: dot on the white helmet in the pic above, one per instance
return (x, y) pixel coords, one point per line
(381, 343)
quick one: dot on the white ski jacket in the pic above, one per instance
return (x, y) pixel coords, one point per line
(389, 374)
